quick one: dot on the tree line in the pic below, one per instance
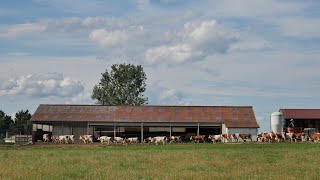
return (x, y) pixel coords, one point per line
(20, 124)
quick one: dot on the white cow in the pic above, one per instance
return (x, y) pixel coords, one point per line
(215, 138)
(104, 139)
(118, 140)
(45, 138)
(159, 139)
(71, 139)
(63, 139)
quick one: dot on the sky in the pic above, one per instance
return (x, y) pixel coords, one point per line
(260, 53)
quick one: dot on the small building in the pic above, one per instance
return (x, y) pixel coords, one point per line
(142, 121)
(301, 118)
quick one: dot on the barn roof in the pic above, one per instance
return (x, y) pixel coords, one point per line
(232, 116)
(301, 113)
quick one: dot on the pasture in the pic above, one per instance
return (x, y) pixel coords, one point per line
(181, 161)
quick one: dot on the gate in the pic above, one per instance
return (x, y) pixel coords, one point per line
(23, 140)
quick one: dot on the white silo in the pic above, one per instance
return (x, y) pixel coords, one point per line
(277, 122)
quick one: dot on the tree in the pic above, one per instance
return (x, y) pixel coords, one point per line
(22, 123)
(5, 123)
(124, 85)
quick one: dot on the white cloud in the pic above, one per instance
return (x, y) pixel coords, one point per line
(169, 94)
(196, 41)
(42, 85)
(21, 29)
(117, 38)
(64, 25)
(82, 98)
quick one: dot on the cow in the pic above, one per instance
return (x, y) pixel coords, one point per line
(86, 139)
(176, 139)
(45, 138)
(260, 137)
(148, 140)
(315, 138)
(63, 139)
(104, 139)
(117, 140)
(290, 136)
(55, 139)
(132, 140)
(227, 137)
(159, 139)
(70, 138)
(243, 137)
(300, 136)
(198, 138)
(279, 137)
(215, 138)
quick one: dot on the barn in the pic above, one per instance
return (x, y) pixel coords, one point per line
(305, 119)
(142, 121)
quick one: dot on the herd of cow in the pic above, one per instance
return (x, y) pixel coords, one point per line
(292, 137)
(224, 138)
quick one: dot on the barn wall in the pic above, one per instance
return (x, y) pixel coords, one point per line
(252, 131)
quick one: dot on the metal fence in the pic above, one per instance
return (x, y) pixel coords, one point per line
(23, 140)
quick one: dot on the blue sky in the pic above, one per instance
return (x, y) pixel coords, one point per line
(261, 53)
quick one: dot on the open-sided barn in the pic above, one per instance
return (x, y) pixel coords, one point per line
(302, 118)
(142, 121)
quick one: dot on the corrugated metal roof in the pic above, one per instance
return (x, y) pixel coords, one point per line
(233, 116)
(301, 113)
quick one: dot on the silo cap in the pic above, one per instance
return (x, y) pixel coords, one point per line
(276, 114)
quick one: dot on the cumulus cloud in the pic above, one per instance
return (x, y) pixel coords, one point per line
(42, 85)
(196, 41)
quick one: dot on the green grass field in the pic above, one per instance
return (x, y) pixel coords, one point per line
(187, 161)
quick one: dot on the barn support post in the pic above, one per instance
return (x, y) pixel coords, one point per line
(87, 128)
(141, 133)
(170, 130)
(93, 129)
(198, 130)
(114, 129)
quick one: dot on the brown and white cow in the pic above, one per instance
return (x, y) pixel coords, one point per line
(55, 139)
(315, 138)
(86, 139)
(148, 140)
(132, 140)
(175, 139)
(243, 137)
(198, 138)
(227, 137)
(298, 136)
